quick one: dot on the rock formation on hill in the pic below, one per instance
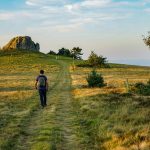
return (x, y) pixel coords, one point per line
(23, 43)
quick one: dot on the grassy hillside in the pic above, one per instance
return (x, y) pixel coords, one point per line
(18, 97)
(77, 117)
(109, 118)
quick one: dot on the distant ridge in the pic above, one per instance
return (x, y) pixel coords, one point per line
(22, 43)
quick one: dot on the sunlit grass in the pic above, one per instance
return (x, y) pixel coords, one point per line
(103, 118)
(18, 97)
(109, 117)
(115, 78)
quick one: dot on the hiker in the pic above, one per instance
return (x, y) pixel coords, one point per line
(42, 85)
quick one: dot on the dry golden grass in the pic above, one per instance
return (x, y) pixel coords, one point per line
(117, 141)
(83, 92)
(112, 119)
(115, 78)
(17, 95)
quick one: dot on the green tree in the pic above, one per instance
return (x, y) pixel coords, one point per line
(76, 52)
(147, 40)
(95, 80)
(97, 61)
(65, 52)
(52, 52)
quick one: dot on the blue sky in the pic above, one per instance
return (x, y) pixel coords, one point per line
(112, 28)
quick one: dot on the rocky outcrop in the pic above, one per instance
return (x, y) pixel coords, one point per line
(23, 43)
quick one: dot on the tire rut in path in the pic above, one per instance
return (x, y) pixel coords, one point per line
(53, 127)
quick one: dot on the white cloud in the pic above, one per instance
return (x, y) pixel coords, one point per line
(82, 20)
(6, 16)
(68, 27)
(87, 4)
(146, 1)
(41, 3)
(20, 15)
(64, 17)
(51, 10)
(95, 3)
(147, 10)
(72, 7)
(30, 3)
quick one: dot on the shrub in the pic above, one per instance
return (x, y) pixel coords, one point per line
(141, 88)
(52, 52)
(97, 61)
(95, 80)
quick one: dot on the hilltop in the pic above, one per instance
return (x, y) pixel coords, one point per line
(23, 43)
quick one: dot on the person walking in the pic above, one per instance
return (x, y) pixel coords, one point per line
(41, 84)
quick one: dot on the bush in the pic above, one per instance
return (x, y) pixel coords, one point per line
(143, 89)
(95, 80)
(52, 52)
(97, 61)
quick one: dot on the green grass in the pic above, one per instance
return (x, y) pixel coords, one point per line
(110, 118)
(112, 121)
(24, 125)
(18, 98)
(88, 119)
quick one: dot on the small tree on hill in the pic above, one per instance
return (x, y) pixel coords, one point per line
(76, 52)
(52, 52)
(97, 61)
(64, 52)
(147, 40)
(95, 80)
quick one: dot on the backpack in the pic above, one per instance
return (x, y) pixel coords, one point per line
(41, 81)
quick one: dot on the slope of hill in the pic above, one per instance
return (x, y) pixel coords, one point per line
(77, 117)
(18, 97)
(109, 117)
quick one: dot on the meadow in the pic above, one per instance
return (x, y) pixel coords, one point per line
(111, 118)
(77, 117)
(18, 97)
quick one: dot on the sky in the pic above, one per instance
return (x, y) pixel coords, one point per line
(112, 28)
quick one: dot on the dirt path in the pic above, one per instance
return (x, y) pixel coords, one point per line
(53, 127)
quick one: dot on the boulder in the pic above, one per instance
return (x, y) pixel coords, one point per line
(22, 43)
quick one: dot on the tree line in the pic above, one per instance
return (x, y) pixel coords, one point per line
(75, 53)
(94, 60)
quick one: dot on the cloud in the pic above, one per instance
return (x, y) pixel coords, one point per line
(18, 16)
(75, 24)
(71, 7)
(146, 1)
(4, 16)
(30, 3)
(65, 15)
(41, 3)
(147, 10)
(87, 4)
(51, 9)
(95, 3)
(68, 27)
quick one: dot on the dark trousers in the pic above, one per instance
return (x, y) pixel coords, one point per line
(43, 97)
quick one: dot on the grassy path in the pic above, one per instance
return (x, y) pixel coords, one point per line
(53, 127)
